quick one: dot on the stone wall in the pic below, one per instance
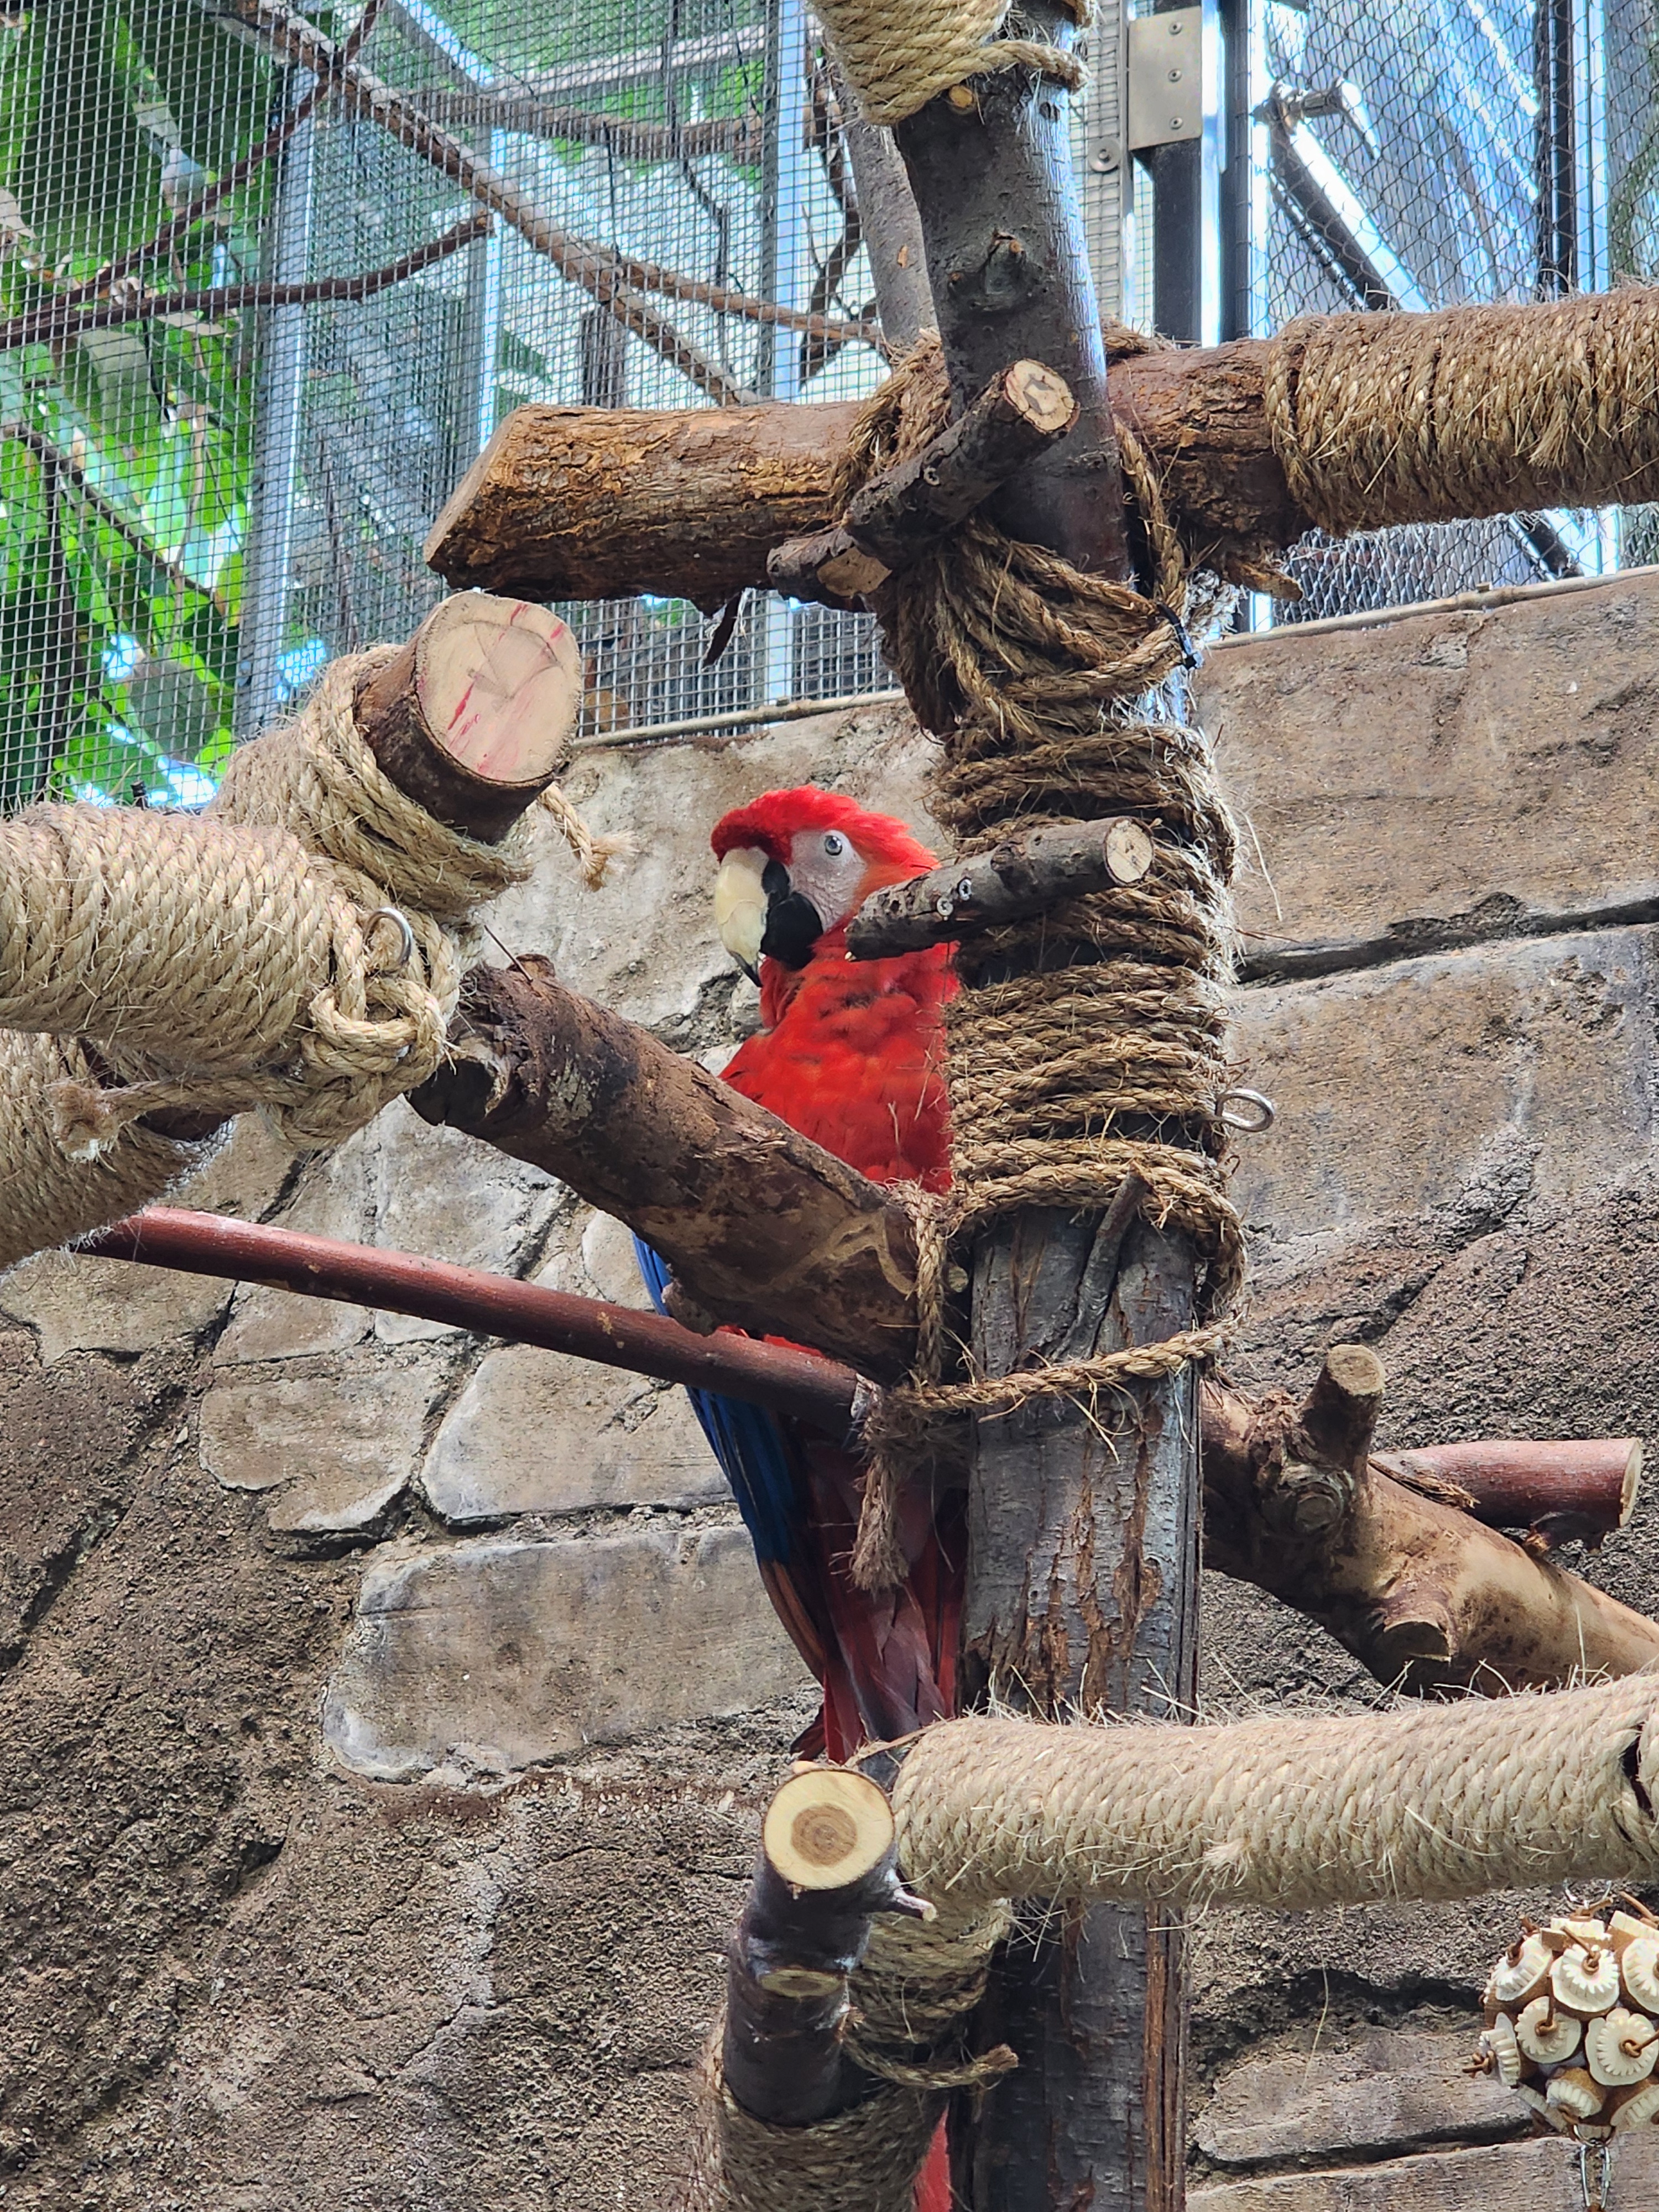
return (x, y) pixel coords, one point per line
(386, 1715)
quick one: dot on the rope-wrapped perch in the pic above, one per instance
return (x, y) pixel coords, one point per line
(170, 965)
(1291, 1811)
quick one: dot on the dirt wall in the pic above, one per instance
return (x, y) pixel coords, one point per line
(384, 1715)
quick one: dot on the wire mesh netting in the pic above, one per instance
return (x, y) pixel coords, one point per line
(262, 319)
(273, 274)
(1450, 152)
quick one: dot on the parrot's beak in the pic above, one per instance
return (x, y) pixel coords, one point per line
(740, 907)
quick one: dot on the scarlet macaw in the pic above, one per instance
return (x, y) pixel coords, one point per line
(849, 1053)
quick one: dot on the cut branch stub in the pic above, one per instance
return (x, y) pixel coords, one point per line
(473, 716)
(827, 1867)
(1310, 1487)
(899, 514)
(1021, 876)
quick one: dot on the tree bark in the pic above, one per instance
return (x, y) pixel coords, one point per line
(890, 228)
(575, 502)
(760, 1226)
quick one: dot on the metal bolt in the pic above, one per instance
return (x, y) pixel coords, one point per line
(1175, 30)
(1174, 123)
(1175, 77)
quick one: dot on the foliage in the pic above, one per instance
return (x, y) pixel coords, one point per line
(121, 572)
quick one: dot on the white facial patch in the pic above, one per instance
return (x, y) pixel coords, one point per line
(827, 868)
(740, 904)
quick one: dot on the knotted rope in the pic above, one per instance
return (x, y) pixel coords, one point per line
(243, 959)
(1291, 1811)
(1103, 1056)
(911, 1998)
(896, 59)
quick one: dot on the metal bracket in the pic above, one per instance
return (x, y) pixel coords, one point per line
(1166, 78)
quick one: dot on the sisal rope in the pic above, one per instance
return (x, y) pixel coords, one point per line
(1106, 1057)
(1291, 1811)
(911, 1999)
(1378, 419)
(896, 59)
(227, 963)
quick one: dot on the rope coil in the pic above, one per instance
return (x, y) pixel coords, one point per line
(1104, 1053)
(898, 59)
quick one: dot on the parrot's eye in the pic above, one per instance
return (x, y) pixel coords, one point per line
(833, 844)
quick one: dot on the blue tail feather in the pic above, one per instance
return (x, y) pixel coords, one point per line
(750, 1443)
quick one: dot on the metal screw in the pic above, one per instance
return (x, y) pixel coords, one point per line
(1174, 123)
(944, 908)
(1175, 77)
(965, 888)
(1175, 30)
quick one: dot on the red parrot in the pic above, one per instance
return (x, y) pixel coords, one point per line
(850, 1053)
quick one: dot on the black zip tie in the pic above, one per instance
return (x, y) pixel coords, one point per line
(1188, 658)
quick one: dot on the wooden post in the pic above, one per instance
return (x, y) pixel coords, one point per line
(1083, 1555)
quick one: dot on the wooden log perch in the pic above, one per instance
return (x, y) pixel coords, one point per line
(1495, 1592)
(1022, 876)
(899, 514)
(827, 1866)
(825, 1395)
(1558, 1493)
(761, 1228)
(1421, 1594)
(589, 503)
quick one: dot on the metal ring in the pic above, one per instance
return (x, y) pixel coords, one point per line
(395, 914)
(1259, 1113)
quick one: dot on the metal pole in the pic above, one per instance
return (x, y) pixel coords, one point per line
(783, 274)
(278, 434)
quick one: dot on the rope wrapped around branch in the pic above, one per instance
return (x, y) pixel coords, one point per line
(911, 1996)
(213, 965)
(1291, 1811)
(896, 59)
(1103, 1055)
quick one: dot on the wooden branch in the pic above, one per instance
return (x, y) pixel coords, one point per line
(528, 517)
(761, 1228)
(58, 322)
(472, 717)
(1422, 1594)
(738, 138)
(828, 1397)
(80, 486)
(888, 219)
(827, 1867)
(1559, 1493)
(1496, 1611)
(1022, 876)
(902, 514)
(600, 502)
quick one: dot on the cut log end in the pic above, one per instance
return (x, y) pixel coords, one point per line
(1343, 1406)
(1041, 395)
(473, 716)
(827, 1829)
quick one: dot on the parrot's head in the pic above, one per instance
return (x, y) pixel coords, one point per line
(795, 865)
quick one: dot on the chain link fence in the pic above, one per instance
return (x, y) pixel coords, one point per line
(259, 318)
